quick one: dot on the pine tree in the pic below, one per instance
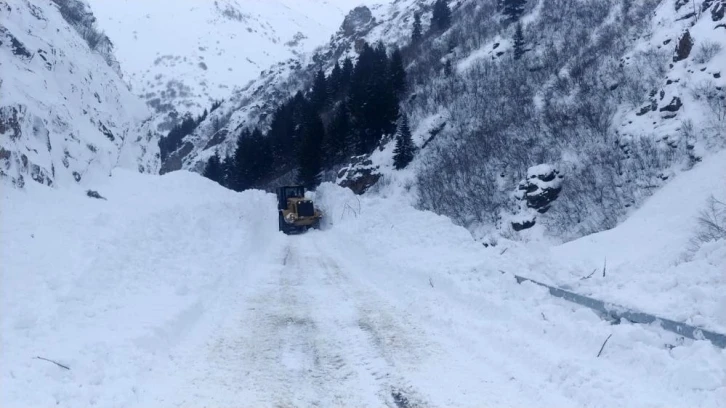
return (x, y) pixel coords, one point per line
(397, 72)
(227, 172)
(334, 81)
(252, 161)
(310, 156)
(346, 74)
(448, 68)
(319, 95)
(242, 178)
(405, 149)
(518, 42)
(261, 160)
(213, 170)
(441, 18)
(513, 9)
(338, 136)
(416, 35)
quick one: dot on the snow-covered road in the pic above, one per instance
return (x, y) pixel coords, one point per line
(318, 328)
(175, 292)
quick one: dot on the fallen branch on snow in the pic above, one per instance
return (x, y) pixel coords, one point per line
(603, 345)
(54, 362)
(590, 275)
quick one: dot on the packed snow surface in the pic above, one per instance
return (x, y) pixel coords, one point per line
(176, 292)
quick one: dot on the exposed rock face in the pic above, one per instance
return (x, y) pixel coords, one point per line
(359, 176)
(681, 3)
(174, 161)
(65, 114)
(9, 124)
(357, 20)
(717, 12)
(684, 47)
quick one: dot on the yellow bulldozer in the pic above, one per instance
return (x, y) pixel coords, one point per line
(297, 213)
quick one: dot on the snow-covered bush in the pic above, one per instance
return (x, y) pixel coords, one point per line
(711, 223)
(706, 51)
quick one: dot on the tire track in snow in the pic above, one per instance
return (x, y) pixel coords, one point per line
(308, 336)
(492, 375)
(376, 338)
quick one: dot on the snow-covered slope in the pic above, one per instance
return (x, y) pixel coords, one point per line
(65, 115)
(253, 104)
(177, 292)
(686, 107)
(650, 261)
(180, 55)
(601, 111)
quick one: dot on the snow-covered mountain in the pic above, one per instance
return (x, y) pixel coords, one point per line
(65, 114)
(602, 116)
(253, 104)
(181, 55)
(613, 98)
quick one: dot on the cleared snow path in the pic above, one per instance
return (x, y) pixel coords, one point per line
(176, 293)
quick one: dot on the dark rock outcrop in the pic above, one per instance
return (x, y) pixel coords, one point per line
(673, 106)
(717, 12)
(360, 176)
(542, 186)
(522, 225)
(684, 47)
(357, 20)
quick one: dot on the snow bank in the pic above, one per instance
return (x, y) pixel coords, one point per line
(110, 287)
(172, 291)
(438, 275)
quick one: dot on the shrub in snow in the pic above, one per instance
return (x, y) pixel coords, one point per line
(706, 51)
(711, 223)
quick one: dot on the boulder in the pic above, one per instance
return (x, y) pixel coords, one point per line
(359, 176)
(674, 105)
(684, 47)
(542, 186)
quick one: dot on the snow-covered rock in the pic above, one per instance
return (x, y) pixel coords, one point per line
(65, 114)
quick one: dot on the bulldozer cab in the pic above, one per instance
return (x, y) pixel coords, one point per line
(287, 192)
(297, 213)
